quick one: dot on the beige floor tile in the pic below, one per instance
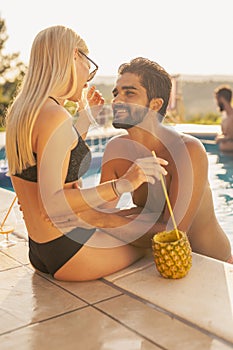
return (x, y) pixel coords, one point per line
(86, 329)
(26, 298)
(138, 266)
(203, 297)
(7, 263)
(91, 292)
(19, 251)
(6, 198)
(21, 231)
(155, 325)
(217, 345)
(15, 217)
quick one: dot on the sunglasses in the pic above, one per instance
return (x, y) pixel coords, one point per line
(93, 72)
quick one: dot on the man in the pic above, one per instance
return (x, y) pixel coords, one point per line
(140, 98)
(223, 95)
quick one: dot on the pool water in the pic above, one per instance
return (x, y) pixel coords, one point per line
(221, 183)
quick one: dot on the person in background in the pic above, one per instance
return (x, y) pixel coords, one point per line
(47, 155)
(223, 96)
(140, 99)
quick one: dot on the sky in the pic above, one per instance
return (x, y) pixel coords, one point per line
(184, 36)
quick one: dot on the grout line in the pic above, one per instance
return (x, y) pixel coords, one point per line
(44, 320)
(78, 309)
(129, 328)
(107, 299)
(10, 268)
(125, 274)
(75, 295)
(20, 235)
(14, 259)
(63, 288)
(172, 315)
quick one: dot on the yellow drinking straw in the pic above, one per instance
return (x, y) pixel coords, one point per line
(4, 220)
(168, 201)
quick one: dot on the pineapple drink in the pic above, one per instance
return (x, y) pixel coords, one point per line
(172, 255)
(171, 249)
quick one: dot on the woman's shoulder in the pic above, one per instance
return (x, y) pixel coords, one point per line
(53, 116)
(51, 121)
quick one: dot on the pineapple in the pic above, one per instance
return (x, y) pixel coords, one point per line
(172, 256)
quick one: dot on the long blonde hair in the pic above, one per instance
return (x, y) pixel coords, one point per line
(51, 71)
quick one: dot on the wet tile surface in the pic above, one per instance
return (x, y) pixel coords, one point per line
(152, 324)
(91, 292)
(7, 262)
(26, 297)
(139, 265)
(203, 297)
(18, 252)
(86, 329)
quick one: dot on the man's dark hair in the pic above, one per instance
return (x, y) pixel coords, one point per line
(224, 91)
(153, 78)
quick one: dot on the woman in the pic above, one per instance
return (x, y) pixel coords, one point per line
(47, 156)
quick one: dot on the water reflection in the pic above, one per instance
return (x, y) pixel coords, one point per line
(221, 182)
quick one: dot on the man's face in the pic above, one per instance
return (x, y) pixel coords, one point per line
(130, 102)
(220, 103)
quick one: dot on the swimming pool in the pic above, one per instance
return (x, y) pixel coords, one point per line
(221, 183)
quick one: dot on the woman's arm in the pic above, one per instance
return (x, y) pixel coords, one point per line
(55, 140)
(136, 230)
(89, 108)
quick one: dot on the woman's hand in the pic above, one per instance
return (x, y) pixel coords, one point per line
(90, 105)
(95, 100)
(143, 170)
(92, 102)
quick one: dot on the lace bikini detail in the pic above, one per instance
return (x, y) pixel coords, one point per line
(80, 159)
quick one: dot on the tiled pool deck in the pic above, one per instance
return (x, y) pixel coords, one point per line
(132, 309)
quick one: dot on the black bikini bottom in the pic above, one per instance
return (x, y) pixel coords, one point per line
(50, 256)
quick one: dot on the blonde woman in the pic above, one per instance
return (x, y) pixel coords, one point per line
(47, 156)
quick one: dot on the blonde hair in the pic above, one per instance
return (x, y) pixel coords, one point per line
(51, 71)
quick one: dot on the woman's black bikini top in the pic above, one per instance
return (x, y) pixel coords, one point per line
(80, 159)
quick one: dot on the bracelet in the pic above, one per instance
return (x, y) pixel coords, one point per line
(115, 190)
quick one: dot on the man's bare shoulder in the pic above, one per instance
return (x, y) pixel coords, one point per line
(118, 139)
(194, 145)
(118, 147)
(177, 140)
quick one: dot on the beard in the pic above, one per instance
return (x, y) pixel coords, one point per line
(221, 107)
(126, 116)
